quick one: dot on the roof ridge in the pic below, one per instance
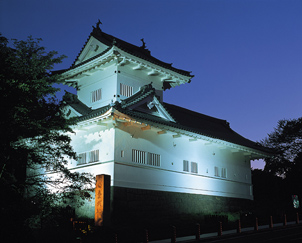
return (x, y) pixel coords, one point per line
(140, 52)
(198, 113)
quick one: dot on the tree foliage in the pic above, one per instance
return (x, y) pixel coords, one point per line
(286, 141)
(33, 133)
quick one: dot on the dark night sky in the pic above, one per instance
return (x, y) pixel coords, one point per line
(246, 55)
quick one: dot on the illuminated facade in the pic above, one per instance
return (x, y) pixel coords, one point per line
(160, 157)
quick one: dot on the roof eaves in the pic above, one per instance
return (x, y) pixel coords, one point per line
(94, 113)
(249, 144)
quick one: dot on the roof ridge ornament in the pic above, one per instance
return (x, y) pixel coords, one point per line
(144, 43)
(97, 25)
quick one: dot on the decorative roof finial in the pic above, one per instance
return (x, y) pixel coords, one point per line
(144, 43)
(97, 24)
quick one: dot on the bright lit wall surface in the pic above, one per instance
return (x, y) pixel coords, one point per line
(146, 159)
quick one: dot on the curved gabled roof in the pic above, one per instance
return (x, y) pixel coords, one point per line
(134, 50)
(185, 119)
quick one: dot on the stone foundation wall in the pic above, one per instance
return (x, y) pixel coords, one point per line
(147, 207)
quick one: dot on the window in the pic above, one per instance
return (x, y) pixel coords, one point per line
(186, 165)
(138, 156)
(143, 157)
(153, 159)
(96, 95)
(216, 171)
(122, 153)
(220, 172)
(223, 172)
(93, 156)
(126, 90)
(194, 167)
(89, 157)
(81, 159)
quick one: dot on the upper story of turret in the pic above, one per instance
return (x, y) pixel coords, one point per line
(109, 69)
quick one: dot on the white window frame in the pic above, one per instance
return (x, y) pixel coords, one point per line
(139, 156)
(88, 157)
(126, 90)
(153, 159)
(194, 167)
(186, 166)
(146, 158)
(81, 159)
(216, 171)
(223, 173)
(96, 95)
(94, 156)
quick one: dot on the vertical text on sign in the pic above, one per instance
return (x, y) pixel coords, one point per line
(102, 200)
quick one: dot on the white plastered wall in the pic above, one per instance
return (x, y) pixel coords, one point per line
(170, 175)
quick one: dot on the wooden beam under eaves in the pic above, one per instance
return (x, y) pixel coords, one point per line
(235, 151)
(192, 139)
(161, 132)
(148, 127)
(152, 73)
(138, 67)
(126, 124)
(87, 73)
(176, 136)
(102, 124)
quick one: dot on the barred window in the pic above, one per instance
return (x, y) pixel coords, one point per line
(93, 156)
(186, 165)
(81, 159)
(138, 156)
(223, 172)
(216, 171)
(126, 90)
(194, 167)
(96, 95)
(153, 159)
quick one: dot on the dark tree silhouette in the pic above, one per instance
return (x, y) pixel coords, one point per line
(286, 141)
(33, 137)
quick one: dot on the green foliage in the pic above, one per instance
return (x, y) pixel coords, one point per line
(33, 134)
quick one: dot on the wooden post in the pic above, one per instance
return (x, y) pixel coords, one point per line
(271, 222)
(271, 225)
(284, 220)
(102, 200)
(256, 224)
(115, 238)
(297, 218)
(238, 226)
(146, 240)
(173, 234)
(197, 231)
(219, 228)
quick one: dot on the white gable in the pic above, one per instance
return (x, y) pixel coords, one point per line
(70, 112)
(92, 48)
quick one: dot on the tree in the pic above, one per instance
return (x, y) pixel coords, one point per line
(286, 141)
(34, 135)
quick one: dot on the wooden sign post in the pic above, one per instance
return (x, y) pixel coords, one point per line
(102, 200)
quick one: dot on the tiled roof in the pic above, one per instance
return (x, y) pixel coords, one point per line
(210, 126)
(144, 91)
(75, 103)
(84, 110)
(197, 123)
(186, 120)
(140, 52)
